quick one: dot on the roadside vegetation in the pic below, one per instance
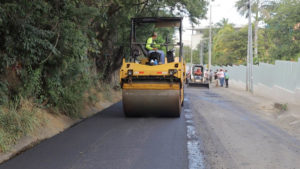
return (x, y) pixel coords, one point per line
(281, 107)
(16, 122)
(53, 53)
(276, 34)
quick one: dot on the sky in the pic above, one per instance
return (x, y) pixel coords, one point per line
(220, 9)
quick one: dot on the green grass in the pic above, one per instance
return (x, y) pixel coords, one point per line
(14, 124)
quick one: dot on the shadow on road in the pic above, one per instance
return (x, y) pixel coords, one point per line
(114, 111)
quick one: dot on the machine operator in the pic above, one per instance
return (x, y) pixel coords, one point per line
(151, 46)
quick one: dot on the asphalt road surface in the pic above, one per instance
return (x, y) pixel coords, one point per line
(213, 132)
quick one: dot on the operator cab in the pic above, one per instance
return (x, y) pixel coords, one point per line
(141, 30)
(198, 73)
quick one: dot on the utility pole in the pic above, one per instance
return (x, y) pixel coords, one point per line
(201, 53)
(210, 38)
(256, 30)
(192, 46)
(247, 68)
(251, 49)
(249, 71)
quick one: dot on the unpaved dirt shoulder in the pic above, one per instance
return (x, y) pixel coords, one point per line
(216, 154)
(288, 120)
(233, 136)
(57, 123)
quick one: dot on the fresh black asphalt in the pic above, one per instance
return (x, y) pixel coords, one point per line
(108, 140)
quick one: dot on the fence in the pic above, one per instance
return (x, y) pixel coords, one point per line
(281, 79)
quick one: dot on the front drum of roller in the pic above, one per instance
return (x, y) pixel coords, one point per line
(159, 103)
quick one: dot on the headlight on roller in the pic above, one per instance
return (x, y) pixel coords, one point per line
(130, 72)
(172, 71)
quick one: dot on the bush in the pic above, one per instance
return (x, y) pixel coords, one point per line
(3, 93)
(15, 123)
(65, 89)
(45, 46)
(32, 82)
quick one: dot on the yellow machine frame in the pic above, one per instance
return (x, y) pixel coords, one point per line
(162, 71)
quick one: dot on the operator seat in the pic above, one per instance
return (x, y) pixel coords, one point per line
(144, 50)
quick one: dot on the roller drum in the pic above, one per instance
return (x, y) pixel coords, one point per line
(162, 103)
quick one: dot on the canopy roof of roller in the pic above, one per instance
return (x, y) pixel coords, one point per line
(159, 21)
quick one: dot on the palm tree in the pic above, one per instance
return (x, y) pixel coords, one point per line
(260, 8)
(223, 22)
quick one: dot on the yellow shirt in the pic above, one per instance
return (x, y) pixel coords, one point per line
(151, 44)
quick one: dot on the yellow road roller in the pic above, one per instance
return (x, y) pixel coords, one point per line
(150, 89)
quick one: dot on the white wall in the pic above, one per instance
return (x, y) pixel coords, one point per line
(280, 81)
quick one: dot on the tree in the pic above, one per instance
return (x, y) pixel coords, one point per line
(261, 10)
(223, 52)
(283, 31)
(230, 46)
(223, 22)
